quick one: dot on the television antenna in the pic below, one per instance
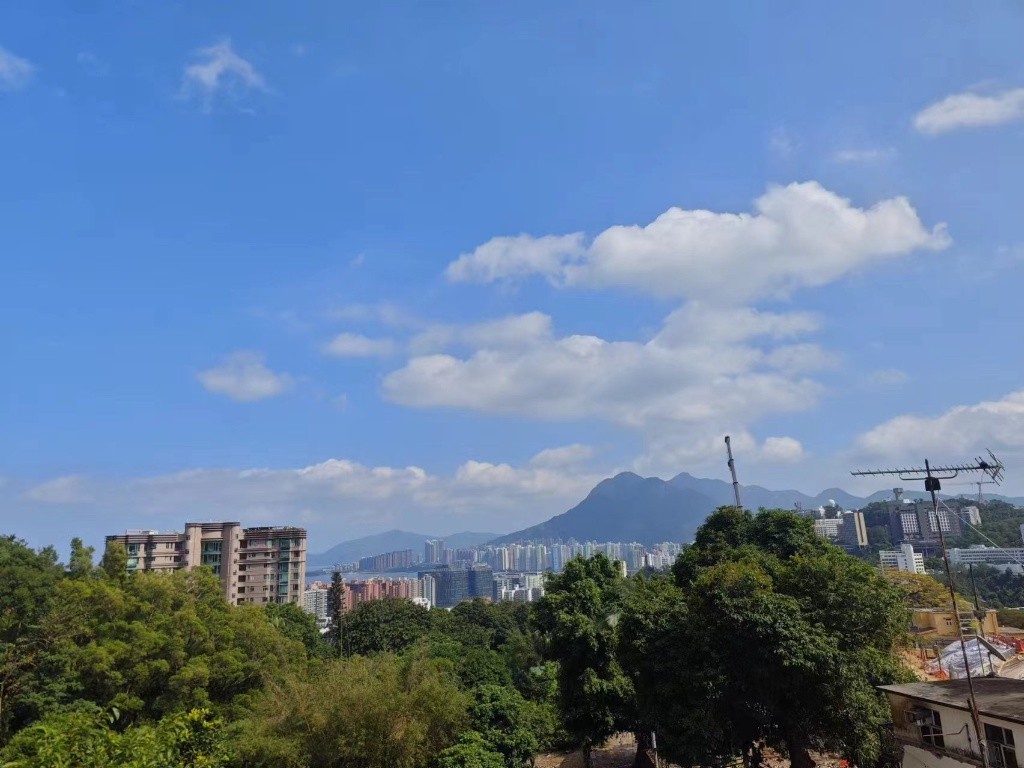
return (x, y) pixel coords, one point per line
(932, 476)
(979, 483)
(732, 471)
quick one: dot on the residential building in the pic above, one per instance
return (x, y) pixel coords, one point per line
(902, 559)
(941, 622)
(980, 554)
(934, 724)
(433, 551)
(152, 550)
(314, 601)
(255, 565)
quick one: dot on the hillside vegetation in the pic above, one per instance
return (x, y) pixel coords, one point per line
(102, 668)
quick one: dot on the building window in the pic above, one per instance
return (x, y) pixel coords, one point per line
(1001, 751)
(949, 622)
(931, 728)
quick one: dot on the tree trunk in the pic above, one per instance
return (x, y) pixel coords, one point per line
(588, 758)
(644, 750)
(799, 756)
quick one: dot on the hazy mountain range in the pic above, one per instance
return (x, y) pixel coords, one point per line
(625, 508)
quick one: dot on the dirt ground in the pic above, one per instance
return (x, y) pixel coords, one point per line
(619, 751)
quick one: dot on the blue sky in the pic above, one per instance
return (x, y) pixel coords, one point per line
(443, 266)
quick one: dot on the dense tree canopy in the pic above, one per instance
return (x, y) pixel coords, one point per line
(577, 615)
(759, 599)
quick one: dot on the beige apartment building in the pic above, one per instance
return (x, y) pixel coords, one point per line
(255, 565)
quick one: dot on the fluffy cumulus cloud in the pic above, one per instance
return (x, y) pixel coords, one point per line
(339, 498)
(244, 376)
(15, 72)
(219, 71)
(357, 345)
(953, 435)
(707, 369)
(801, 235)
(971, 110)
(509, 331)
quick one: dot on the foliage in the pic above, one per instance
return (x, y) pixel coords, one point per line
(471, 751)
(383, 626)
(295, 623)
(498, 713)
(577, 617)
(87, 739)
(759, 599)
(1011, 617)
(379, 712)
(29, 580)
(923, 591)
(997, 587)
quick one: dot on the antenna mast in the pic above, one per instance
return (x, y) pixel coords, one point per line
(932, 477)
(732, 471)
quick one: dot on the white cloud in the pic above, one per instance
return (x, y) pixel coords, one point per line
(783, 450)
(509, 331)
(708, 369)
(15, 72)
(960, 433)
(243, 376)
(801, 235)
(69, 489)
(971, 110)
(220, 71)
(339, 498)
(356, 345)
(864, 155)
(509, 257)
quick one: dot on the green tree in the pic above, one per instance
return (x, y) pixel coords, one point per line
(498, 713)
(384, 626)
(154, 645)
(760, 599)
(29, 582)
(358, 712)
(295, 623)
(115, 562)
(577, 618)
(80, 563)
(89, 740)
(471, 751)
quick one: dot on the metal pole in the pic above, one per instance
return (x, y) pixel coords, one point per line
(931, 484)
(732, 471)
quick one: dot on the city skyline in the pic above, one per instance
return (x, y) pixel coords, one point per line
(444, 269)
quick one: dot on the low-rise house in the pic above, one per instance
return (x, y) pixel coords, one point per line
(933, 722)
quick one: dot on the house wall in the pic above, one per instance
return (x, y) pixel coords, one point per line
(958, 734)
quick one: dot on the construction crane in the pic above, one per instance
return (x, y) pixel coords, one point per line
(979, 483)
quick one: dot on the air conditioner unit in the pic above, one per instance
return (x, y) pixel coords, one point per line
(918, 716)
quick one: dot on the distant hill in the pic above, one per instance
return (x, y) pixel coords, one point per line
(627, 507)
(390, 541)
(754, 496)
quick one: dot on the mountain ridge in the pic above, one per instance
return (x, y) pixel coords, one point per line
(628, 507)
